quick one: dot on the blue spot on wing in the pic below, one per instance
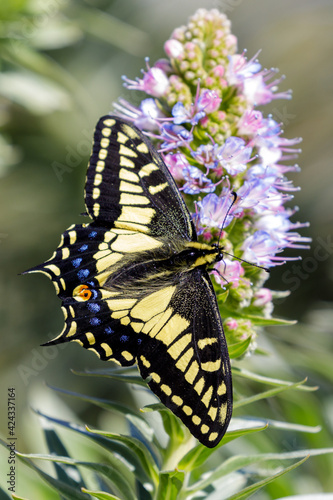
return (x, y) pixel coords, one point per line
(108, 330)
(77, 262)
(93, 307)
(94, 321)
(124, 338)
(83, 248)
(83, 274)
(92, 235)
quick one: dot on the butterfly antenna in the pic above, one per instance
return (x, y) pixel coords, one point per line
(234, 194)
(247, 262)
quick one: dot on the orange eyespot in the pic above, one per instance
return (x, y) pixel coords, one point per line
(82, 292)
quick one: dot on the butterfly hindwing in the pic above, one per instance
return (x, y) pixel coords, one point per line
(129, 186)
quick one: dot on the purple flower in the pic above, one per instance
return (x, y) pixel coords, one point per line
(234, 155)
(213, 211)
(260, 248)
(229, 271)
(196, 181)
(206, 154)
(176, 163)
(174, 136)
(154, 82)
(209, 101)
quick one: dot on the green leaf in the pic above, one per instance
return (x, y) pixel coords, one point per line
(266, 394)
(101, 495)
(271, 381)
(117, 472)
(111, 445)
(122, 375)
(238, 349)
(199, 454)
(238, 463)
(137, 447)
(170, 484)
(247, 492)
(131, 415)
(255, 320)
(61, 487)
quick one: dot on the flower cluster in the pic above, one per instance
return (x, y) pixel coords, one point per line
(227, 158)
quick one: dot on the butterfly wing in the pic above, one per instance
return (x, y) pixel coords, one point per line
(129, 186)
(185, 359)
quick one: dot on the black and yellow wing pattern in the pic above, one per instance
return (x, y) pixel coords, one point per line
(134, 283)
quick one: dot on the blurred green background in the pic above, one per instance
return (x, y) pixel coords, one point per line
(61, 66)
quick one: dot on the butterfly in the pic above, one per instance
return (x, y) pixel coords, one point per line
(135, 285)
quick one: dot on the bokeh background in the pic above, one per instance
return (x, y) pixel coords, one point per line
(61, 67)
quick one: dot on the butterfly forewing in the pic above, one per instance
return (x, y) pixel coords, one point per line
(129, 186)
(121, 293)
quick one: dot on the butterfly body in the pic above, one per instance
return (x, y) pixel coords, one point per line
(134, 283)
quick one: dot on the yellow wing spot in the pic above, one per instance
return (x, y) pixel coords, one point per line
(106, 131)
(177, 400)
(96, 193)
(102, 154)
(222, 389)
(123, 150)
(192, 372)
(142, 148)
(178, 347)
(78, 341)
(119, 314)
(166, 389)
(105, 142)
(187, 410)
(133, 199)
(126, 162)
(202, 343)
(223, 412)
(127, 355)
(151, 323)
(196, 420)
(137, 327)
(207, 397)
(145, 362)
(130, 131)
(156, 189)
(213, 436)
(211, 366)
(100, 165)
(72, 237)
(121, 304)
(141, 215)
(72, 330)
(91, 338)
(122, 138)
(156, 378)
(153, 304)
(94, 350)
(199, 385)
(71, 311)
(127, 175)
(64, 311)
(183, 362)
(135, 242)
(130, 188)
(103, 246)
(109, 122)
(54, 269)
(65, 253)
(148, 169)
(212, 412)
(110, 235)
(96, 208)
(105, 259)
(125, 321)
(204, 429)
(132, 226)
(56, 286)
(173, 327)
(98, 179)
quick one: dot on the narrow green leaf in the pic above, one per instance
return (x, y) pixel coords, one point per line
(170, 484)
(61, 487)
(107, 404)
(247, 492)
(117, 472)
(266, 394)
(199, 454)
(313, 496)
(238, 349)
(255, 320)
(137, 447)
(114, 374)
(101, 495)
(237, 463)
(111, 445)
(267, 380)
